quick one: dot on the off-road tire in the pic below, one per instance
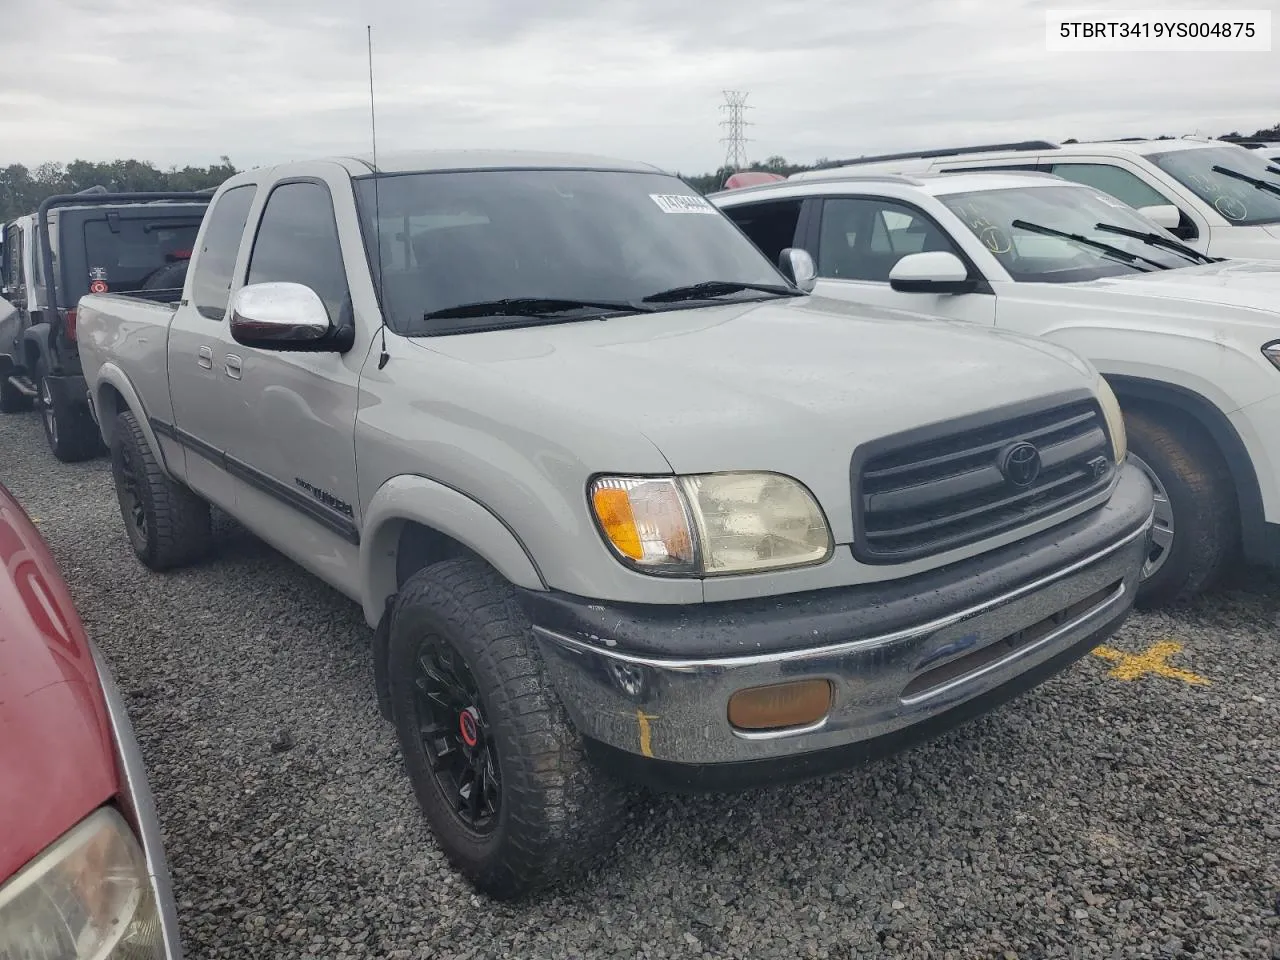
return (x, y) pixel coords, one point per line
(558, 815)
(72, 435)
(1206, 518)
(13, 400)
(176, 527)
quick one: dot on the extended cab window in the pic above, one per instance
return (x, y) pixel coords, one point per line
(1120, 183)
(864, 238)
(211, 282)
(297, 242)
(771, 226)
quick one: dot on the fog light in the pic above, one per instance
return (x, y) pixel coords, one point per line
(780, 705)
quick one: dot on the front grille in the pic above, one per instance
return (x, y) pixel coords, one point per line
(920, 497)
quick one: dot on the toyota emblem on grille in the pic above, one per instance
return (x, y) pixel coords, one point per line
(1020, 464)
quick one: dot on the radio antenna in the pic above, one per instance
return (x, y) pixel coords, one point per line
(377, 209)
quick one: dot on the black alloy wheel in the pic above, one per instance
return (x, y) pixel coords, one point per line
(458, 742)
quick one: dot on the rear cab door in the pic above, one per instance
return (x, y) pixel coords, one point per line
(204, 412)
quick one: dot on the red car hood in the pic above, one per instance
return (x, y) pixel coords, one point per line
(57, 759)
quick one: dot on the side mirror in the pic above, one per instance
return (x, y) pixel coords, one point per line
(935, 271)
(798, 267)
(1163, 215)
(279, 316)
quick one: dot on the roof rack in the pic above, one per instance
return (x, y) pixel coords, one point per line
(1025, 145)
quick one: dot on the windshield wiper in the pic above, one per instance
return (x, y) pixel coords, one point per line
(1156, 240)
(1252, 181)
(709, 289)
(531, 307)
(1122, 255)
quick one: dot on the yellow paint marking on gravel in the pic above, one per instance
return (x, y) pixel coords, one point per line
(1132, 666)
(646, 736)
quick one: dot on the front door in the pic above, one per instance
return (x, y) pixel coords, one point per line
(859, 240)
(294, 446)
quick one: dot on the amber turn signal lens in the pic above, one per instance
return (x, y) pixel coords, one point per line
(780, 705)
(645, 521)
(613, 507)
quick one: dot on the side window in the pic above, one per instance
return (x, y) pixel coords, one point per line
(297, 242)
(13, 259)
(770, 226)
(1120, 183)
(211, 282)
(863, 238)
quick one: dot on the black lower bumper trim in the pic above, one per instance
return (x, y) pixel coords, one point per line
(674, 777)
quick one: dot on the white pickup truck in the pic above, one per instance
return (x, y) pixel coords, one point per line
(621, 501)
(1190, 344)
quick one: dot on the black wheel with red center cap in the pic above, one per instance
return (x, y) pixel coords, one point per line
(454, 735)
(498, 769)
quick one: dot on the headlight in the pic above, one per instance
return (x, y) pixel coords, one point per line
(87, 897)
(1272, 352)
(1115, 420)
(710, 524)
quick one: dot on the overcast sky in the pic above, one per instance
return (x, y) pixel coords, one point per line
(266, 80)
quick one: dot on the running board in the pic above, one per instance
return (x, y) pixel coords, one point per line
(24, 386)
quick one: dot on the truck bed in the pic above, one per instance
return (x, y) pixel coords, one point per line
(129, 331)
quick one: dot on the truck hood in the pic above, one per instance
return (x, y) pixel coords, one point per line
(784, 384)
(1261, 241)
(1249, 284)
(56, 747)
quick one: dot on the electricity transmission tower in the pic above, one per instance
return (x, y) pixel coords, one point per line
(735, 123)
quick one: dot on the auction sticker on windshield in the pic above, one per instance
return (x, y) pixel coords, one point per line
(681, 203)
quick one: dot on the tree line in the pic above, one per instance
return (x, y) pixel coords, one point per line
(22, 189)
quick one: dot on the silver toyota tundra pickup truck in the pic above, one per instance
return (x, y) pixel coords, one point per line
(621, 501)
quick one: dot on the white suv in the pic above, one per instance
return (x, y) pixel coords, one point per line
(1190, 344)
(1219, 197)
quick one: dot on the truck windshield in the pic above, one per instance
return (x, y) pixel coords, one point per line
(1243, 203)
(452, 239)
(1035, 250)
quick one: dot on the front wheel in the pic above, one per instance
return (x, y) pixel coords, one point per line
(1197, 527)
(498, 770)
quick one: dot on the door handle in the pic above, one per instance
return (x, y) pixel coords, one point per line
(233, 366)
(205, 358)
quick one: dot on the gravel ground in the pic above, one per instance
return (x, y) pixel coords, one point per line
(1092, 818)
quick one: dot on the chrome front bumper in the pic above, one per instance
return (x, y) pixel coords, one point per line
(676, 710)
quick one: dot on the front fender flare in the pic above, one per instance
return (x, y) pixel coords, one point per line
(413, 499)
